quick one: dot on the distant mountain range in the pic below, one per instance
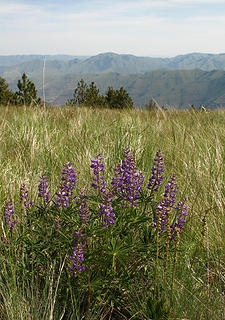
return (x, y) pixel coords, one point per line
(12, 60)
(180, 81)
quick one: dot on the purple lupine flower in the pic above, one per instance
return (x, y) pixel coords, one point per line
(13, 224)
(83, 208)
(158, 167)
(166, 203)
(99, 183)
(8, 211)
(78, 253)
(43, 190)
(65, 194)
(25, 197)
(180, 219)
(106, 210)
(128, 182)
(98, 171)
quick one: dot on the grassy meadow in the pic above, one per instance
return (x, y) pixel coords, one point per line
(130, 281)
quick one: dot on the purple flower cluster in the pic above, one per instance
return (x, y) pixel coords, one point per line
(8, 211)
(167, 203)
(128, 182)
(65, 193)
(181, 218)
(98, 171)
(43, 190)
(170, 191)
(78, 253)
(106, 209)
(83, 210)
(25, 197)
(158, 167)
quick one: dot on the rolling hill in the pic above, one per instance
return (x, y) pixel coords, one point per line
(110, 62)
(178, 88)
(13, 60)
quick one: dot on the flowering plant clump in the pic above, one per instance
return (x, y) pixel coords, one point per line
(65, 194)
(103, 232)
(8, 212)
(128, 181)
(25, 197)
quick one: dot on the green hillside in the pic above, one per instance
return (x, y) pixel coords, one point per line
(180, 88)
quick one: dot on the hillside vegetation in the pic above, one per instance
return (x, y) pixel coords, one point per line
(132, 271)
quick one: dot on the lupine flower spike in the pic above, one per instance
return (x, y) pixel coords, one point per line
(99, 183)
(128, 181)
(98, 171)
(78, 253)
(25, 197)
(163, 209)
(158, 167)
(83, 208)
(43, 190)
(8, 211)
(178, 226)
(65, 194)
(106, 210)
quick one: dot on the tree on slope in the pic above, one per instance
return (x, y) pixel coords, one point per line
(79, 96)
(86, 95)
(27, 93)
(118, 99)
(93, 96)
(6, 95)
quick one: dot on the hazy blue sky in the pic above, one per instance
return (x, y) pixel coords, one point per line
(88, 27)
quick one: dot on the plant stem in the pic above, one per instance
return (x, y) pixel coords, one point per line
(167, 247)
(156, 258)
(174, 268)
(89, 297)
